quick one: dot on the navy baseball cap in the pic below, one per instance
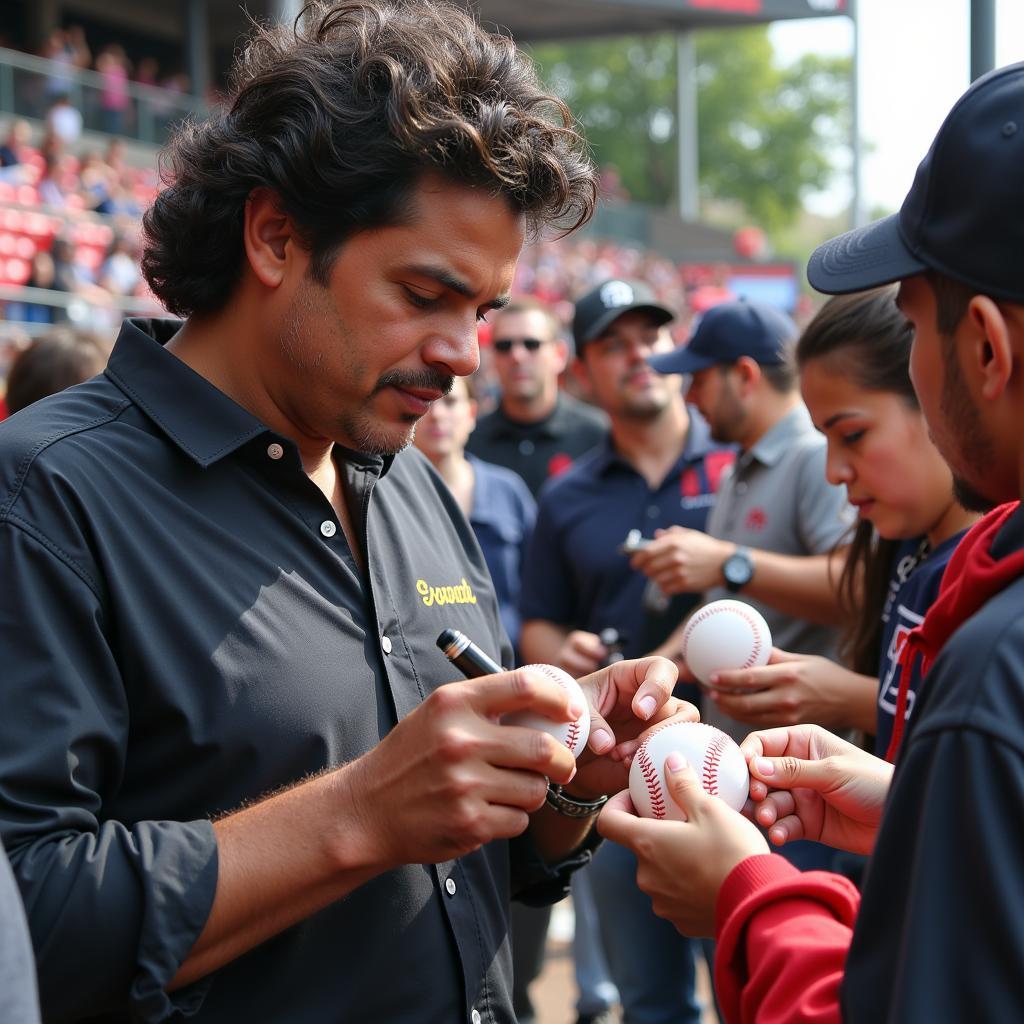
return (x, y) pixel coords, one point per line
(728, 331)
(599, 308)
(964, 214)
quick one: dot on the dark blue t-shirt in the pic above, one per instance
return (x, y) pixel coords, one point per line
(502, 518)
(913, 587)
(575, 574)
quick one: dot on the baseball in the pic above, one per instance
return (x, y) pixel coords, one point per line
(725, 635)
(573, 734)
(715, 758)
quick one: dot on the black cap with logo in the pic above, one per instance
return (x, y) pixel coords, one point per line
(598, 309)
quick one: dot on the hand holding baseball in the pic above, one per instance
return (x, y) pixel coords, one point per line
(723, 635)
(627, 698)
(449, 777)
(682, 864)
(681, 560)
(795, 688)
(807, 783)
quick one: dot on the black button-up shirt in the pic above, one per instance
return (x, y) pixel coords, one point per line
(542, 450)
(184, 629)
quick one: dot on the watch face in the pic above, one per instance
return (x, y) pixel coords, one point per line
(737, 569)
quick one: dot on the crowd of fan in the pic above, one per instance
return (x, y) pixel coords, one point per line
(50, 236)
(48, 192)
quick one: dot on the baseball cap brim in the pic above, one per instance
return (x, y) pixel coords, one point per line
(661, 314)
(679, 360)
(863, 258)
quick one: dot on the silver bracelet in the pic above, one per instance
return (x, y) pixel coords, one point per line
(570, 806)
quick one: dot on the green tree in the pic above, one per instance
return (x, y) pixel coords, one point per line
(767, 134)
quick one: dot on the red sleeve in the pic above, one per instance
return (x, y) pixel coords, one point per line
(783, 936)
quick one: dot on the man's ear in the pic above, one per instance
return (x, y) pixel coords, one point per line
(561, 354)
(269, 237)
(988, 346)
(748, 372)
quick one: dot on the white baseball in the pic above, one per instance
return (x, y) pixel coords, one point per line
(725, 635)
(712, 754)
(573, 734)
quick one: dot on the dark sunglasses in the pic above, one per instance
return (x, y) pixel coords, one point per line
(504, 345)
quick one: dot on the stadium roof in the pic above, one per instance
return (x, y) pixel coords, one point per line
(534, 20)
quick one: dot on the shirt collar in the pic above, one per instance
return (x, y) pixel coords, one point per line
(199, 418)
(779, 439)
(697, 445)
(547, 427)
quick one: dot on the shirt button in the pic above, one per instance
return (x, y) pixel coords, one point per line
(741, 488)
(451, 887)
(475, 1017)
(385, 643)
(653, 512)
(526, 447)
(275, 451)
(328, 528)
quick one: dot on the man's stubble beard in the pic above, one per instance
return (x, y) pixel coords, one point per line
(975, 447)
(313, 313)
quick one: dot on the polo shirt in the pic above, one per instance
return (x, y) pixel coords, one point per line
(776, 498)
(575, 574)
(541, 450)
(185, 630)
(502, 516)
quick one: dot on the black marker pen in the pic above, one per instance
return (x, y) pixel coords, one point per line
(465, 655)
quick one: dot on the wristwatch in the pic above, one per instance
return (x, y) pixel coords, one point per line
(570, 806)
(737, 569)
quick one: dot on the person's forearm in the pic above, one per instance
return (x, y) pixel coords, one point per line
(555, 835)
(803, 586)
(541, 641)
(279, 862)
(783, 946)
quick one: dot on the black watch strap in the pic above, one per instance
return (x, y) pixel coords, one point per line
(738, 569)
(570, 806)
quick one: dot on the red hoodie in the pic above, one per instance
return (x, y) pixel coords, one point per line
(783, 935)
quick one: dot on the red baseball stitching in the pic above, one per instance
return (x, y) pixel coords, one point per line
(650, 774)
(739, 609)
(574, 727)
(713, 761)
(573, 734)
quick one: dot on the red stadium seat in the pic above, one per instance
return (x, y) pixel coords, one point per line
(16, 271)
(11, 220)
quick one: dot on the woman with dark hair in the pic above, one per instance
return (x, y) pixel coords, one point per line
(854, 360)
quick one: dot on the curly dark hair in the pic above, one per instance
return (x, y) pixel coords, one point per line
(340, 117)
